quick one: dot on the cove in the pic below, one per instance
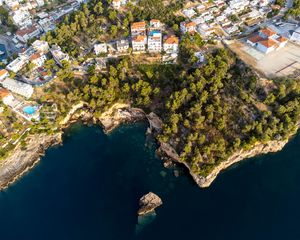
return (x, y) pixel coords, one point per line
(89, 189)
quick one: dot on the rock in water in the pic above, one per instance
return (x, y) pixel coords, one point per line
(148, 203)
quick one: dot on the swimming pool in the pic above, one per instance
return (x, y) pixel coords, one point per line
(30, 110)
(2, 49)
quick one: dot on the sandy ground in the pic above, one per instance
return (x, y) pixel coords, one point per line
(283, 62)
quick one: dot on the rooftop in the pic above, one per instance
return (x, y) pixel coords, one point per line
(25, 31)
(268, 32)
(3, 72)
(139, 38)
(172, 40)
(3, 93)
(255, 39)
(138, 25)
(268, 43)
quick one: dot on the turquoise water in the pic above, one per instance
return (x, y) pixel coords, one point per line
(29, 110)
(89, 189)
(4, 56)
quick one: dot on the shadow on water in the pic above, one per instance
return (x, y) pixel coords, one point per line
(89, 188)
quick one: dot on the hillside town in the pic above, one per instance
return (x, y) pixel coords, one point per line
(255, 30)
(214, 81)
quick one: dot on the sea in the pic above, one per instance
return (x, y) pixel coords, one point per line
(89, 188)
(3, 49)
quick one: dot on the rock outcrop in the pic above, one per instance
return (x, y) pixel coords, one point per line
(258, 149)
(148, 203)
(167, 153)
(20, 161)
(120, 113)
(155, 123)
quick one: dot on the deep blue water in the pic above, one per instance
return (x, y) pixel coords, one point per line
(89, 189)
(4, 56)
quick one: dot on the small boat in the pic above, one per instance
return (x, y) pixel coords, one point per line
(2, 53)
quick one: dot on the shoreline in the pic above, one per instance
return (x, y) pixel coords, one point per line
(21, 161)
(168, 153)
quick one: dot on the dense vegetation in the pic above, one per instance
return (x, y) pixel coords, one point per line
(6, 22)
(295, 10)
(97, 21)
(209, 112)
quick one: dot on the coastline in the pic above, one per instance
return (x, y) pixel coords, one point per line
(21, 161)
(168, 153)
(258, 149)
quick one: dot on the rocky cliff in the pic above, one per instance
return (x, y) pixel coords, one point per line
(258, 149)
(148, 203)
(167, 152)
(21, 160)
(120, 113)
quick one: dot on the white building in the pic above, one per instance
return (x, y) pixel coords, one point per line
(200, 57)
(20, 88)
(139, 43)
(17, 64)
(21, 18)
(264, 3)
(41, 46)
(171, 44)
(266, 46)
(205, 29)
(138, 28)
(6, 96)
(122, 46)
(239, 5)
(58, 55)
(47, 24)
(3, 74)
(267, 41)
(295, 37)
(201, 8)
(27, 33)
(155, 41)
(100, 48)
(116, 4)
(188, 27)
(190, 12)
(154, 24)
(38, 59)
(40, 3)
(12, 4)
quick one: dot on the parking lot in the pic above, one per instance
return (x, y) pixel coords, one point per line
(283, 62)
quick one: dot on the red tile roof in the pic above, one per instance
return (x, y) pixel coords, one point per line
(3, 72)
(255, 39)
(172, 40)
(281, 39)
(3, 93)
(268, 43)
(268, 32)
(35, 56)
(139, 38)
(25, 31)
(138, 25)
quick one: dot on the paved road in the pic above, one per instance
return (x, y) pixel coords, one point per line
(289, 3)
(9, 44)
